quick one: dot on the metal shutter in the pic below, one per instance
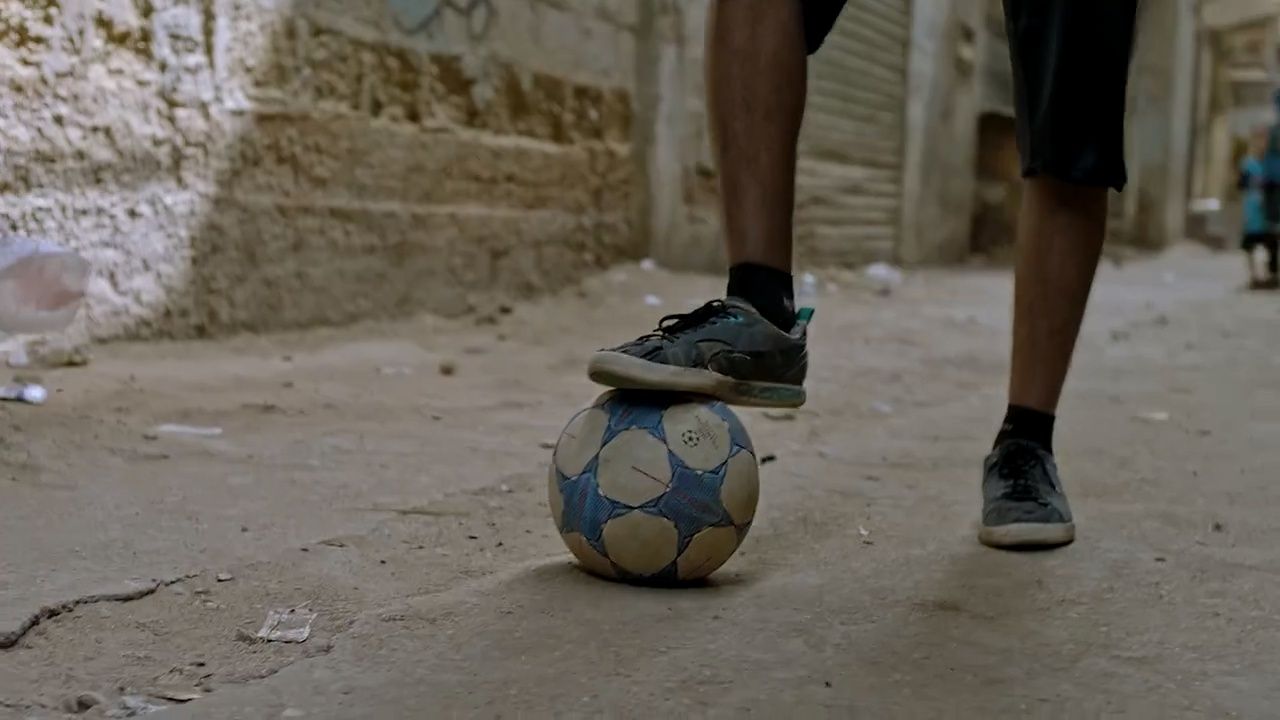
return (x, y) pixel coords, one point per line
(848, 201)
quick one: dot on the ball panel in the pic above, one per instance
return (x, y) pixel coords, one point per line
(634, 468)
(740, 490)
(587, 556)
(554, 498)
(707, 551)
(697, 435)
(693, 501)
(640, 543)
(585, 509)
(581, 440)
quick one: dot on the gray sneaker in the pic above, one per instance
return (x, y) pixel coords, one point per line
(1023, 504)
(724, 349)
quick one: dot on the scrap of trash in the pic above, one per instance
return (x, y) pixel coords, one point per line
(24, 392)
(292, 625)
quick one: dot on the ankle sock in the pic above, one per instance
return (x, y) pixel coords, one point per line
(768, 290)
(1023, 423)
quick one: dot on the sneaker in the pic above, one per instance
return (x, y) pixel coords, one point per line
(724, 349)
(1023, 504)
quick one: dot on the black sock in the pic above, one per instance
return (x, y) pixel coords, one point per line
(1023, 423)
(769, 290)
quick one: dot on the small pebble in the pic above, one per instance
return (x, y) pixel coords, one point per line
(1218, 527)
(83, 702)
(448, 367)
(547, 445)
(223, 577)
(766, 459)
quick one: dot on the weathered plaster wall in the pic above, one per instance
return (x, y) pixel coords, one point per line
(261, 164)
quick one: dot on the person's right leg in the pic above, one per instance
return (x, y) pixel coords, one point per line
(748, 349)
(1249, 245)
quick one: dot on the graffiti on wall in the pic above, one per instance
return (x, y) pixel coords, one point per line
(414, 16)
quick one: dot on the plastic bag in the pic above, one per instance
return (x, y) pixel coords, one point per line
(41, 286)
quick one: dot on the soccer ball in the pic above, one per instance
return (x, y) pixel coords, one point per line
(653, 487)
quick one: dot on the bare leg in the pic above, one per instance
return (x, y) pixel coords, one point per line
(1060, 235)
(756, 77)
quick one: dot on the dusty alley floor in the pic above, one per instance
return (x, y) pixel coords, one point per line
(407, 508)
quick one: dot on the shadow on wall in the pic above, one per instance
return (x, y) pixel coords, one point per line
(234, 165)
(998, 188)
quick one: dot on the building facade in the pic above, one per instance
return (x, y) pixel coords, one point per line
(234, 165)
(1238, 54)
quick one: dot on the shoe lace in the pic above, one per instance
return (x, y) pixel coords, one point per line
(673, 326)
(1022, 468)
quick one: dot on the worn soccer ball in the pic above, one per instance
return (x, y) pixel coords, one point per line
(653, 488)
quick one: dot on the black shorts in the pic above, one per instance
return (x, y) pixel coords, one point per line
(1070, 67)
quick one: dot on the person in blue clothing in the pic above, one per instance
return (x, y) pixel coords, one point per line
(1259, 229)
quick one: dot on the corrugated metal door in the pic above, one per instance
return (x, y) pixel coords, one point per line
(850, 167)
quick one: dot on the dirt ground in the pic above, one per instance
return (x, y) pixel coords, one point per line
(405, 505)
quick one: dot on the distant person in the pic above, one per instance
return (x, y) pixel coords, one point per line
(1259, 227)
(1070, 62)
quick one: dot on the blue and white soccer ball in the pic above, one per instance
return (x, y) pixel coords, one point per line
(652, 487)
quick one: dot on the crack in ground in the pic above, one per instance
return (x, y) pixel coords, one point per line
(10, 638)
(13, 705)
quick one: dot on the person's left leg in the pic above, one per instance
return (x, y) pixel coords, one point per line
(1070, 60)
(1249, 245)
(1272, 244)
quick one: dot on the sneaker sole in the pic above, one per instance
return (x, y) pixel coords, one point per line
(617, 370)
(1027, 535)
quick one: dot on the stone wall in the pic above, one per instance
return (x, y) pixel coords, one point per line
(263, 164)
